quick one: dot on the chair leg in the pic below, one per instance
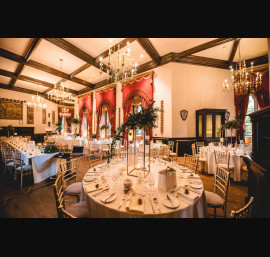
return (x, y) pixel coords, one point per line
(215, 212)
(21, 179)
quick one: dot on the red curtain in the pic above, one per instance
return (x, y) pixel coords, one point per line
(262, 95)
(241, 104)
(71, 111)
(107, 97)
(59, 117)
(143, 87)
(86, 103)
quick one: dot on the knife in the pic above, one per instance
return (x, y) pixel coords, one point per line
(151, 204)
(170, 200)
(109, 197)
(97, 194)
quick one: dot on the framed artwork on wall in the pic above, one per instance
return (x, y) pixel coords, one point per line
(53, 117)
(30, 115)
(11, 109)
(43, 116)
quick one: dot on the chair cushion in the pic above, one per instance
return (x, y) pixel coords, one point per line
(11, 164)
(225, 166)
(202, 160)
(213, 199)
(25, 167)
(172, 154)
(79, 210)
(74, 188)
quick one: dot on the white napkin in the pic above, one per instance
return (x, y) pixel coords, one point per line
(92, 187)
(134, 206)
(191, 196)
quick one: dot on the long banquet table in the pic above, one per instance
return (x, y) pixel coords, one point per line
(44, 165)
(98, 209)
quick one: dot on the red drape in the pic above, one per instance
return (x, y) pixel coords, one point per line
(71, 111)
(59, 117)
(142, 87)
(86, 103)
(107, 97)
(262, 95)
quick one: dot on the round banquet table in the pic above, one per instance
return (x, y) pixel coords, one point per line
(98, 209)
(235, 160)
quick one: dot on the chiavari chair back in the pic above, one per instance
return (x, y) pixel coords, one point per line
(222, 159)
(59, 193)
(191, 162)
(171, 145)
(193, 147)
(198, 146)
(246, 211)
(218, 199)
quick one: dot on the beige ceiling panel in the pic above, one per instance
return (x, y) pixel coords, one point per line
(15, 45)
(74, 86)
(4, 80)
(92, 75)
(176, 45)
(49, 54)
(250, 48)
(8, 65)
(41, 75)
(221, 52)
(93, 46)
(28, 85)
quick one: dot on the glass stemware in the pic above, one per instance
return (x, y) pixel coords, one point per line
(145, 181)
(151, 182)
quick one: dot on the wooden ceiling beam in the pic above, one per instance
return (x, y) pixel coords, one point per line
(149, 48)
(234, 49)
(17, 58)
(29, 51)
(205, 46)
(74, 50)
(31, 80)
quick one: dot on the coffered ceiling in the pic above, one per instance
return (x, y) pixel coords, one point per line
(33, 63)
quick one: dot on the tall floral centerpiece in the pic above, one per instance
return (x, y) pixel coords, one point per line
(76, 122)
(10, 129)
(104, 127)
(145, 119)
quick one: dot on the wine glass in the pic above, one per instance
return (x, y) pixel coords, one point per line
(151, 183)
(115, 178)
(145, 181)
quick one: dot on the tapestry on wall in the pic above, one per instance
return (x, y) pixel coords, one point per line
(11, 109)
(53, 117)
(30, 115)
(43, 116)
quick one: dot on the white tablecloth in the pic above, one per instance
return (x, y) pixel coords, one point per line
(186, 209)
(235, 160)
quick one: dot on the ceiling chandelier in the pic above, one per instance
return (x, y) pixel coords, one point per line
(244, 80)
(65, 113)
(60, 92)
(120, 64)
(37, 102)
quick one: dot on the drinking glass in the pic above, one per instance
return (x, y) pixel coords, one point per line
(151, 183)
(145, 181)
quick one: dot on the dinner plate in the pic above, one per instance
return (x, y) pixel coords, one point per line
(195, 184)
(103, 197)
(168, 203)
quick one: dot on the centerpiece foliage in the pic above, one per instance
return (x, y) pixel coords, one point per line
(145, 119)
(51, 148)
(76, 122)
(58, 127)
(105, 126)
(10, 129)
(230, 125)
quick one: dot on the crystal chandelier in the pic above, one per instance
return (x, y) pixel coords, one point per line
(244, 80)
(37, 102)
(60, 92)
(65, 113)
(120, 64)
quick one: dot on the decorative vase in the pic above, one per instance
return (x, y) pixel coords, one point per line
(166, 180)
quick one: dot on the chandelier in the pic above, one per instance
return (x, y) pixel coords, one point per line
(65, 113)
(120, 64)
(60, 92)
(37, 102)
(244, 80)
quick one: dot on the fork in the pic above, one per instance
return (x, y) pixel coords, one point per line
(121, 203)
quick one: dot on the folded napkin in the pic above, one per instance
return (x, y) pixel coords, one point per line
(92, 187)
(195, 176)
(134, 206)
(191, 196)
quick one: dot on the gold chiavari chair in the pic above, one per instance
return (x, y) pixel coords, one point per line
(78, 210)
(94, 159)
(7, 154)
(166, 153)
(191, 162)
(218, 198)
(69, 171)
(173, 155)
(246, 211)
(222, 160)
(201, 161)
(20, 167)
(198, 146)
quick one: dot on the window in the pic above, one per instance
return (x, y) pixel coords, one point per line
(252, 107)
(105, 120)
